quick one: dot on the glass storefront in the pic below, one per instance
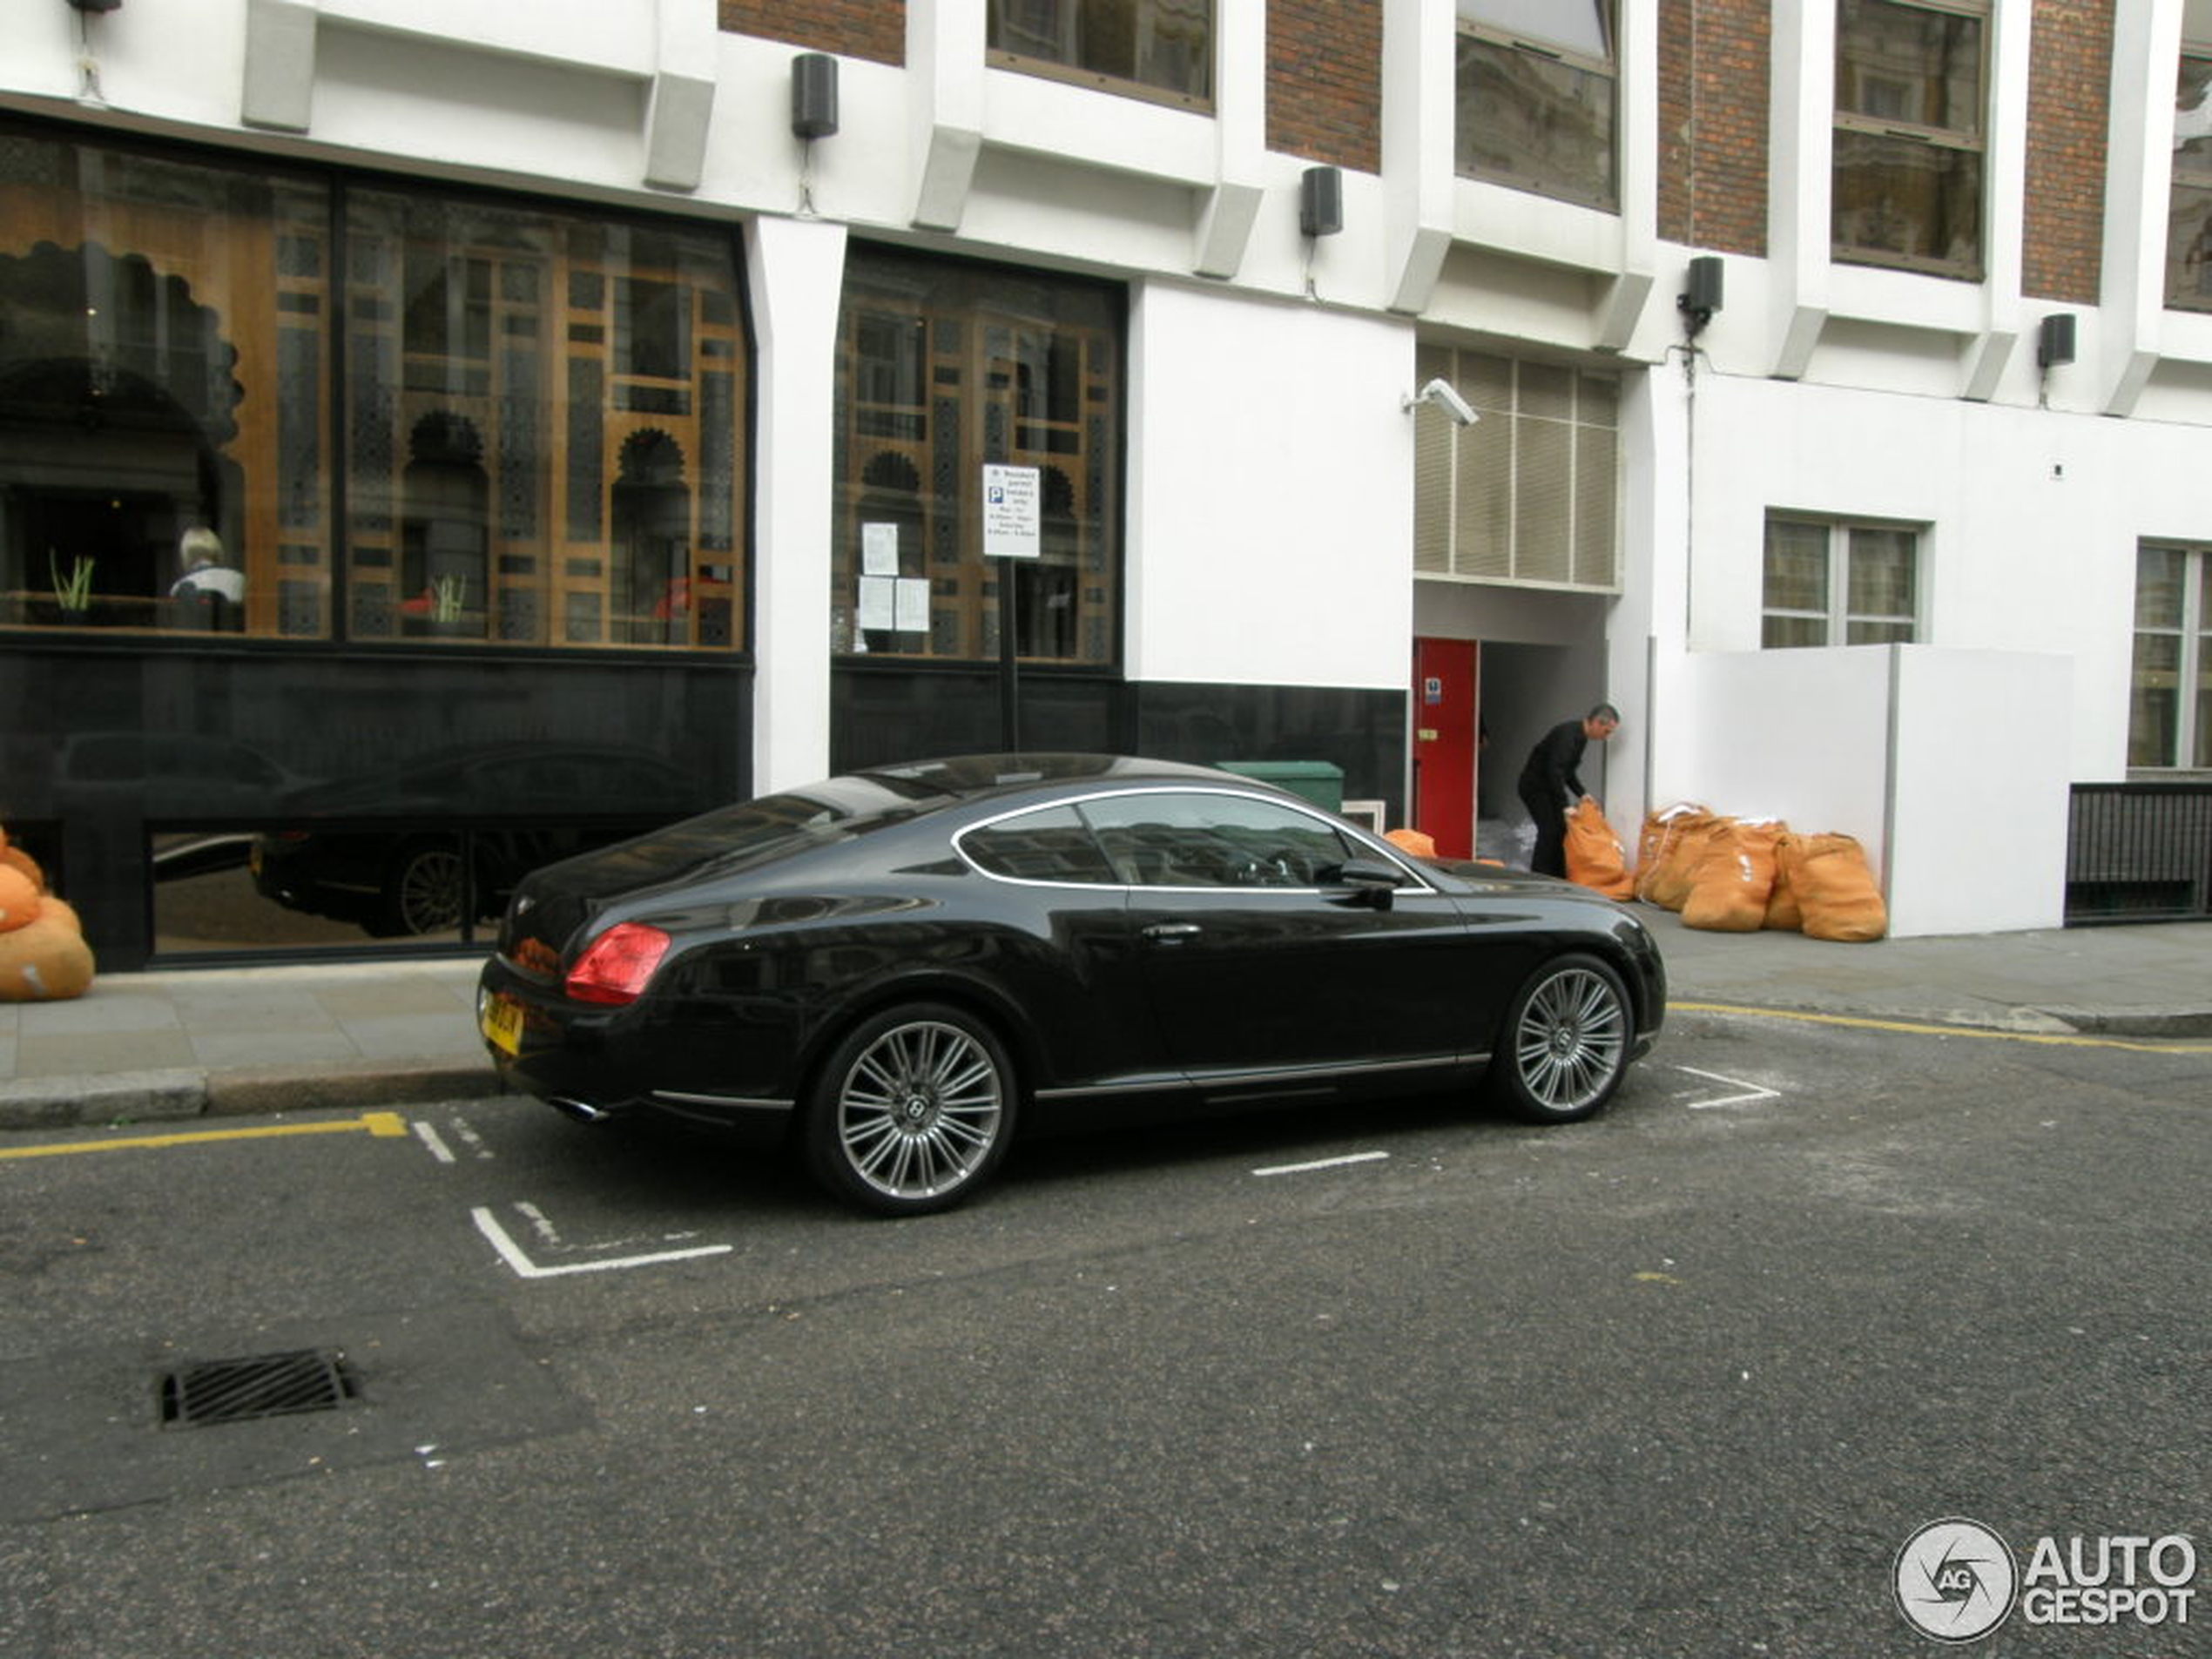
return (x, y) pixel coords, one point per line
(362, 544)
(944, 366)
(312, 408)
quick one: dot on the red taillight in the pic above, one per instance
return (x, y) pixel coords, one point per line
(615, 967)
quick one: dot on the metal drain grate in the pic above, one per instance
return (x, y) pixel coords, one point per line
(272, 1384)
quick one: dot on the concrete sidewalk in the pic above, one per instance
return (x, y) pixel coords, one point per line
(193, 1042)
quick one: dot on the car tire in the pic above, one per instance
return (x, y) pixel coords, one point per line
(911, 1112)
(423, 891)
(1563, 1046)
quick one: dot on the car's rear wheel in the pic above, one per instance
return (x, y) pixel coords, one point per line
(911, 1110)
(422, 891)
(1564, 1046)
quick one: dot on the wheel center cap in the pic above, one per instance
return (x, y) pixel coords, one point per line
(916, 1108)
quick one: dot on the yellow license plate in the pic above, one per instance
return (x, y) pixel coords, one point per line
(503, 1024)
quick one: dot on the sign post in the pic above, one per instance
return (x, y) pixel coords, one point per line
(1012, 529)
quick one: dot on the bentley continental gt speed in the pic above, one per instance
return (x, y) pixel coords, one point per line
(895, 968)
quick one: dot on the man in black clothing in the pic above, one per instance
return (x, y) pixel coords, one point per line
(1549, 787)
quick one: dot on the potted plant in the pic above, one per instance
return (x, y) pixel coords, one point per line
(73, 592)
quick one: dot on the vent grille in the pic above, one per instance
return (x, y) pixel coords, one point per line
(237, 1391)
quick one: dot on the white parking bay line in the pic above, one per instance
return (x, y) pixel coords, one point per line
(1751, 1091)
(1322, 1163)
(511, 1253)
(430, 1139)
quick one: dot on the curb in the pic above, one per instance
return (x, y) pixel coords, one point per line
(2136, 1023)
(178, 1095)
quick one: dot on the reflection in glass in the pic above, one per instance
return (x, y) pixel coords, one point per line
(1537, 102)
(944, 366)
(159, 380)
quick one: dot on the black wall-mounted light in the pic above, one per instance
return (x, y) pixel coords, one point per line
(2055, 340)
(1320, 201)
(97, 5)
(814, 95)
(1701, 295)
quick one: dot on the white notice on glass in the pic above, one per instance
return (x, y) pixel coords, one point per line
(914, 605)
(878, 601)
(879, 550)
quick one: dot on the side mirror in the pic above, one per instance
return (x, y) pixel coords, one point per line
(1362, 881)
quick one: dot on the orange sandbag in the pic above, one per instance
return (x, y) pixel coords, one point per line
(1669, 882)
(1413, 841)
(1836, 893)
(1782, 912)
(1594, 855)
(1661, 826)
(18, 898)
(15, 859)
(1734, 880)
(47, 961)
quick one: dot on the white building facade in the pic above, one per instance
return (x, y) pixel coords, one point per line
(1875, 547)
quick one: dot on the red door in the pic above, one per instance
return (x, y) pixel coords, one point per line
(1443, 743)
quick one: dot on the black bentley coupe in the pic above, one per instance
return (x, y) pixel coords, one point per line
(897, 967)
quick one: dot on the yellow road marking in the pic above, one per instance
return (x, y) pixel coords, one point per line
(377, 1123)
(2048, 1039)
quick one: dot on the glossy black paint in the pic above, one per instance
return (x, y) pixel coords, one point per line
(1115, 1000)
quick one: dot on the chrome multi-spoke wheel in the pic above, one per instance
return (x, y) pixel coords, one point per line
(912, 1111)
(1565, 1043)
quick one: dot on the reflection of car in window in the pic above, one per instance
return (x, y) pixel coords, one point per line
(424, 847)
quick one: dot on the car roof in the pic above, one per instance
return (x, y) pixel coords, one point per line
(969, 778)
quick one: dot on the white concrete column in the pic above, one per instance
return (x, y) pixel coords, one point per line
(796, 271)
(1228, 209)
(1800, 183)
(1420, 50)
(2005, 192)
(945, 125)
(2139, 181)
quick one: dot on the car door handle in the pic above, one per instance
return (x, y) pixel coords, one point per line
(1169, 933)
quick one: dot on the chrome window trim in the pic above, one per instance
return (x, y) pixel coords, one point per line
(1359, 836)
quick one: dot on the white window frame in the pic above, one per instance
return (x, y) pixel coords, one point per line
(1836, 616)
(2191, 661)
(1972, 141)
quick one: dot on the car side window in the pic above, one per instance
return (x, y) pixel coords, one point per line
(1049, 844)
(1201, 840)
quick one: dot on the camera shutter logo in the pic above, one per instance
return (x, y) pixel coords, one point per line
(1955, 1580)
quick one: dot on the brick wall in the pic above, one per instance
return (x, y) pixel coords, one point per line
(2068, 104)
(875, 30)
(1324, 81)
(1713, 85)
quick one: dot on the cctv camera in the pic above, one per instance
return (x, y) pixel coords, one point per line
(1440, 392)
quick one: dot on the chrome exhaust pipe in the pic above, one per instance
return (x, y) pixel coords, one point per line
(582, 1111)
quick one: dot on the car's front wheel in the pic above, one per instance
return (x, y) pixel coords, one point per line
(911, 1110)
(1564, 1046)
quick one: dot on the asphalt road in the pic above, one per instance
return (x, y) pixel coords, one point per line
(1681, 1382)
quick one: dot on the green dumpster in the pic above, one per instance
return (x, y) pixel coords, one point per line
(1318, 781)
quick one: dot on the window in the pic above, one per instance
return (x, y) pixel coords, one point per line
(2189, 221)
(2169, 709)
(1830, 583)
(1051, 844)
(1209, 840)
(1156, 49)
(1910, 91)
(944, 366)
(541, 433)
(1529, 494)
(1538, 97)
